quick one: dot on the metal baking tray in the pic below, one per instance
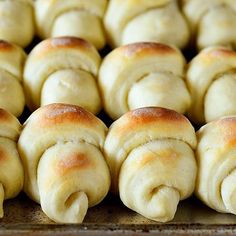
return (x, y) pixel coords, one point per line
(111, 217)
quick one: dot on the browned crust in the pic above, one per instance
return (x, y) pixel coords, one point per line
(149, 116)
(5, 116)
(167, 156)
(58, 113)
(218, 53)
(153, 114)
(6, 46)
(135, 49)
(226, 129)
(3, 155)
(74, 161)
(60, 43)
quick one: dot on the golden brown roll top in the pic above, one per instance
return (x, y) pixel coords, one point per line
(212, 22)
(212, 83)
(63, 70)
(17, 21)
(150, 155)
(79, 18)
(143, 74)
(12, 60)
(61, 149)
(145, 21)
(216, 163)
(11, 170)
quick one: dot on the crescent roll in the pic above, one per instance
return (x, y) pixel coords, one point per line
(79, 18)
(212, 22)
(151, 159)
(216, 179)
(65, 170)
(63, 70)
(12, 59)
(211, 80)
(17, 21)
(11, 170)
(143, 74)
(133, 21)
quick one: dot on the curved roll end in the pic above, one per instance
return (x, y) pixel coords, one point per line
(163, 204)
(1, 200)
(228, 192)
(73, 210)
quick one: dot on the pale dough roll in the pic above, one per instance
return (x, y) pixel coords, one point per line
(159, 89)
(11, 170)
(212, 22)
(144, 21)
(79, 18)
(65, 85)
(12, 60)
(151, 159)
(211, 81)
(17, 21)
(65, 171)
(215, 154)
(63, 69)
(143, 74)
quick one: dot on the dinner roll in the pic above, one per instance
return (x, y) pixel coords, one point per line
(143, 74)
(211, 80)
(212, 22)
(65, 170)
(79, 18)
(216, 179)
(11, 170)
(17, 21)
(63, 70)
(132, 21)
(151, 159)
(12, 59)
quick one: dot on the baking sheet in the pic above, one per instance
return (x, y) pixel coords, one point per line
(111, 217)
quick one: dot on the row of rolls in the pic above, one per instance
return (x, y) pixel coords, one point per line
(70, 70)
(67, 160)
(198, 23)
